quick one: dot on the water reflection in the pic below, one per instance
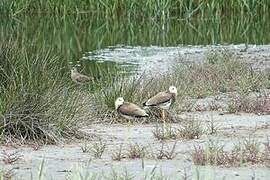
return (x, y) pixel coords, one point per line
(73, 36)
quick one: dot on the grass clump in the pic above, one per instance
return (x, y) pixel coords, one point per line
(118, 154)
(212, 127)
(246, 152)
(114, 86)
(136, 151)
(11, 158)
(191, 129)
(165, 132)
(258, 103)
(35, 102)
(167, 152)
(97, 149)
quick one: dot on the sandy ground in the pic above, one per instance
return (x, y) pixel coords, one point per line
(61, 159)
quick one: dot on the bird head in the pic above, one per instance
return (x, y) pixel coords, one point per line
(173, 90)
(118, 102)
(74, 70)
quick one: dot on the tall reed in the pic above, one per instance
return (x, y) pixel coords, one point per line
(130, 8)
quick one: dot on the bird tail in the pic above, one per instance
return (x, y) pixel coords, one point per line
(145, 106)
(146, 115)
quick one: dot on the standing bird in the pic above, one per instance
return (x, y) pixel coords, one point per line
(129, 110)
(163, 100)
(78, 77)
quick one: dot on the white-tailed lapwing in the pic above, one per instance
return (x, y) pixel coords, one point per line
(163, 100)
(129, 110)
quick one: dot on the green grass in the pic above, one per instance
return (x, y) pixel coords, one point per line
(150, 8)
(36, 102)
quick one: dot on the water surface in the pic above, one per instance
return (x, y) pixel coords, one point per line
(130, 42)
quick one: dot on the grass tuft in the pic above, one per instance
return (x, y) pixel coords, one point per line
(97, 149)
(36, 104)
(191, 129)
(165, 132)
(167, 152)
(118, 154)
(136, 151)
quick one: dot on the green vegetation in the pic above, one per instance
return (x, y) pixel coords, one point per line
(71, 35)
(36, 104)
(131, 8)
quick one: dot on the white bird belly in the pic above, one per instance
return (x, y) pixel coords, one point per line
(165, 105)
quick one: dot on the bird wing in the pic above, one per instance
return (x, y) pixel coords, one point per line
(159, 98)
(131, 109)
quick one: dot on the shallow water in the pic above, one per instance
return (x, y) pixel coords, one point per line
(160, 60)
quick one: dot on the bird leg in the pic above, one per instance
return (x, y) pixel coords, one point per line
(163, 118)
(163, 115)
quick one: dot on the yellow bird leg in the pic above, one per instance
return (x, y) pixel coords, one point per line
(163, 114)
(163, 118)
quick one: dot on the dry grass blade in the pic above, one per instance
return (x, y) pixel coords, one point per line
(165, 132)
(191, 129)
(7, 174)
(118, 154)
(212, 127)
(98, 148)
(167, 152)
